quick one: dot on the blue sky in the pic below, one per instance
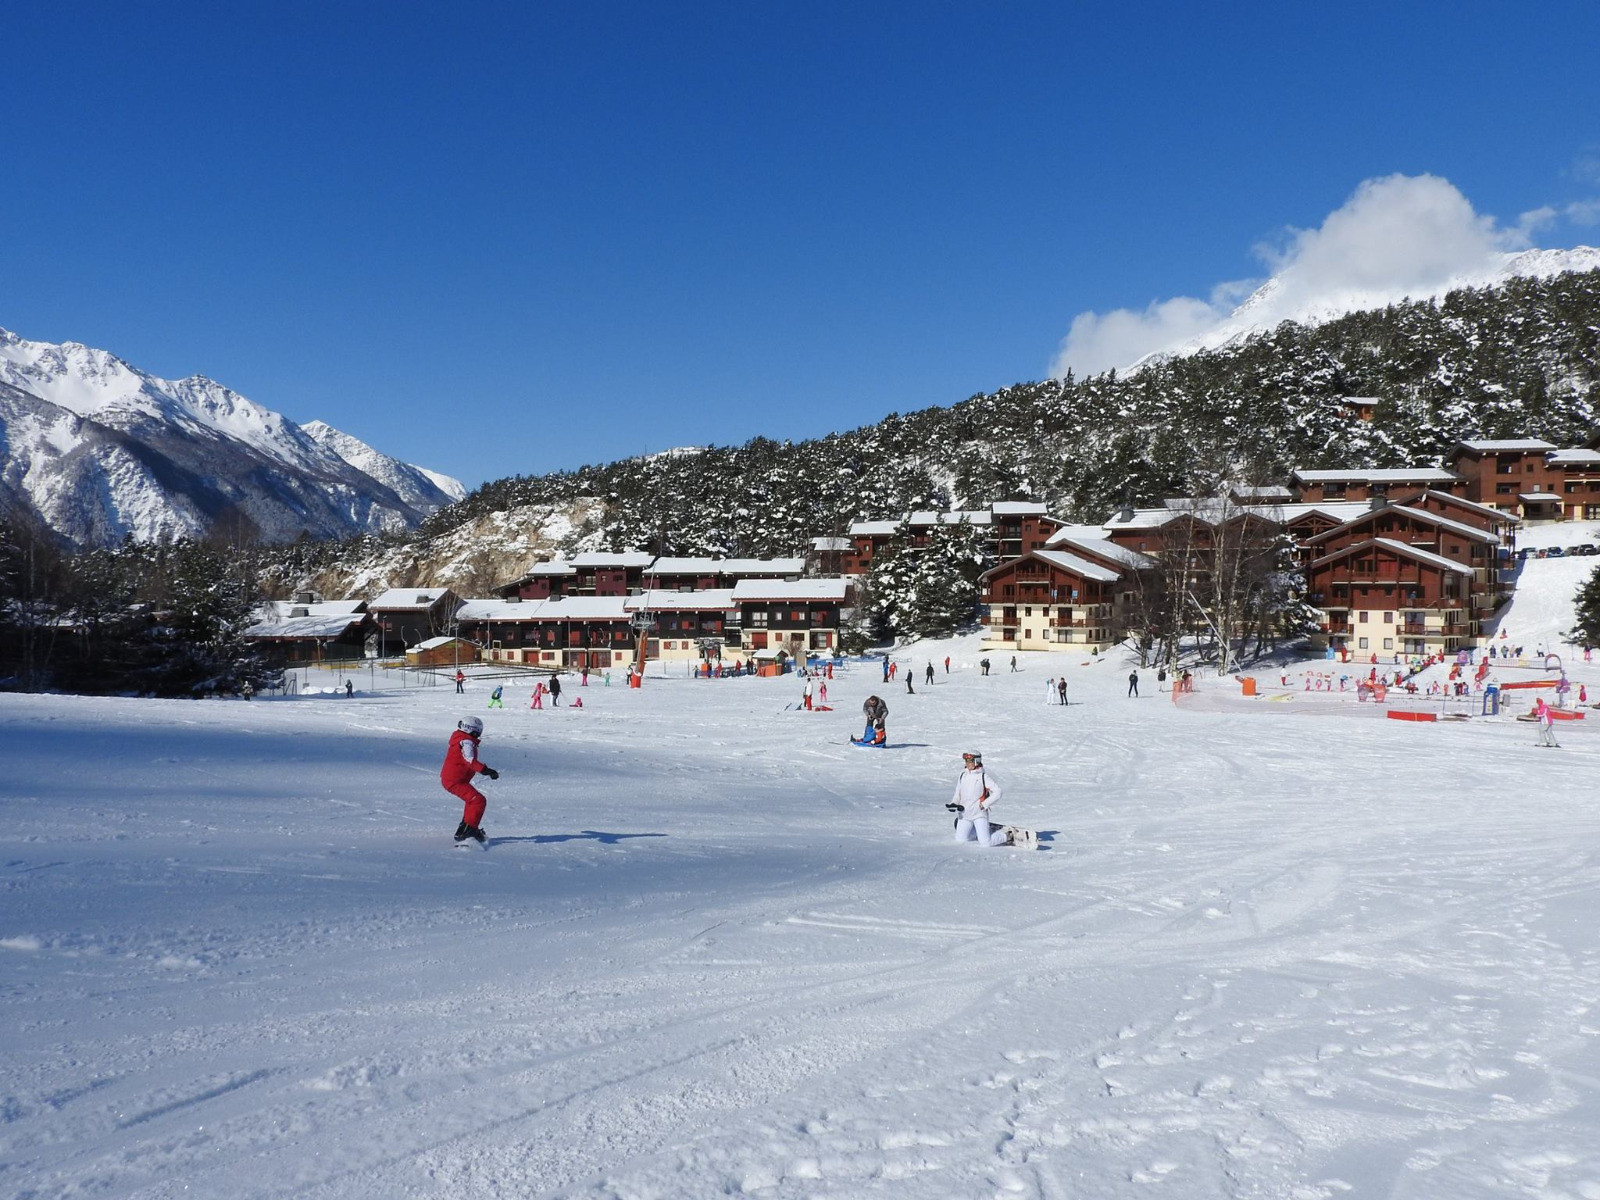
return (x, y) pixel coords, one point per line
(497, 239)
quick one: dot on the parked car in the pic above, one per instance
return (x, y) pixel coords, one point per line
(1555, 552)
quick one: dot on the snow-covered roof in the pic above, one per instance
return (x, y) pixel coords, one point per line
(1506, 445)
(728, 566)
(285, 609)
(627, 559)
(434, 643)
(417, 599)
(874, 528)
(830, 543)
(748, 590)
(1425, 556)
(656, 600)
(1263, 492)
(315, 625)
(1499, 514)
(1079, 531)
(556, 566)
(1420, 514)
(1573, 458)
(1538, 497)
(919, 520)
(1379, 475)
(566, 608)
(1078, 566)
(1102, 548)
(1335, 510)
(1018, 508)
(1140, 518)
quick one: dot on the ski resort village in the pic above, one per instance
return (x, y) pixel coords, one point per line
(800, 602)
(1261, 874)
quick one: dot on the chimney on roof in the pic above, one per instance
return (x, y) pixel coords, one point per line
(1125, 513)
(1379, 500)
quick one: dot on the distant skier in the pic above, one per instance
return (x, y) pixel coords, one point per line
(1013, 664)
(910, 691)
(1061, 690)
(805, 696)
(460, 679)
(494, 697)
(1547, 724)
(349, 689)
(947, 664)
(930, 674)
(984, 663)
(886, 668)
(1133, 683)
(461, 763)
(1050, 691)
(555, 691)
(537, 700)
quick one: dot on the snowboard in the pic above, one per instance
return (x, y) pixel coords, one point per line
(869, 745)
(1022, 839)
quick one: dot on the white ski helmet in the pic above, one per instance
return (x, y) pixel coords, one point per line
(973, 757)
(472, 725)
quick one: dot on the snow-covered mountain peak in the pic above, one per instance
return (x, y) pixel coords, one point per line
(136, 434)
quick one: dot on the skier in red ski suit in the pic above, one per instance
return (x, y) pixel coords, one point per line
(461, 763)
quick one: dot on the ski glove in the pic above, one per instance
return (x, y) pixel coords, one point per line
(491, 773)
(954, 807)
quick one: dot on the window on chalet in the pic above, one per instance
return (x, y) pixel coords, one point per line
(1388, 643)
(1388, 618)
(1361, 618)
(759, 617)
(1361, 643)
(1504, 489)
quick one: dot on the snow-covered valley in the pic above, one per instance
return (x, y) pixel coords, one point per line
(1277, 947)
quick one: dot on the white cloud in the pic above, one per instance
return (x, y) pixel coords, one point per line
(1398, 236)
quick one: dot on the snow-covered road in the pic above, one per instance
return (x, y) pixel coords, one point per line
(713, 949)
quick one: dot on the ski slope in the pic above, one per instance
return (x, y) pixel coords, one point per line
(1273, 949)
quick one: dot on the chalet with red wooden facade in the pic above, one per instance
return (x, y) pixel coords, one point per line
(1073, 596)
(1381, 596)
(1313, 486)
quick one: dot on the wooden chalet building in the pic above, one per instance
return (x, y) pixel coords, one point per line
(701, 574)
(867, 541)
(406, 616)
(688, 624)
(1471, 546)
(1075, 595)
(570, 632)
(1379, 596)
(827, 555)
(1531, 478)
(309, 629)
(1019, 527)
(606, 574)
(547, 580)
(799, 616)
(1312, 486)
(1468, 512)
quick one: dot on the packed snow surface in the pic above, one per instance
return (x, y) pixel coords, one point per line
(1279, 947)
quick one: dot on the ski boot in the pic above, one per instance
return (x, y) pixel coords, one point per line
(462, 833)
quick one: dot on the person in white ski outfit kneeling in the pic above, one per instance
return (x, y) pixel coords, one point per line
(975, 795)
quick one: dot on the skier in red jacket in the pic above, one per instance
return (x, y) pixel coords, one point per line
(461, 763)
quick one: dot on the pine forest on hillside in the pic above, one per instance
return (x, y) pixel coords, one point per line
(1514, 361)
